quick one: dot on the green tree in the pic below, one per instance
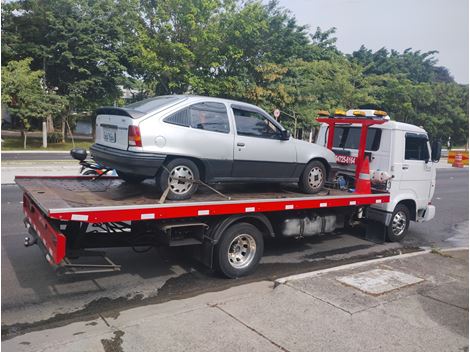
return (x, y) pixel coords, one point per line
(25, 96)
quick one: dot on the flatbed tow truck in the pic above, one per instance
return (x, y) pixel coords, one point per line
(74, 217)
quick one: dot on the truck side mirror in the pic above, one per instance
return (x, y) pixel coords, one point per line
(436, 151)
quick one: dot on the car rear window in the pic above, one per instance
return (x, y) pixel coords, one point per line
(154, 103)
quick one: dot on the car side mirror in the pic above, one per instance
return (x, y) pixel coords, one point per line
(436, 151)
(78, 153)
(285, 135)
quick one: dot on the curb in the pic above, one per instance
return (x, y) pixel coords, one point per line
(284, 280)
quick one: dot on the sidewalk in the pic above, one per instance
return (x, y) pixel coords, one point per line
(416, 302)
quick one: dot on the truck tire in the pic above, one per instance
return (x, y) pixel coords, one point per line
(179, 190)
(239, 250)
(130, 178)
(398, 227)
(313, 177)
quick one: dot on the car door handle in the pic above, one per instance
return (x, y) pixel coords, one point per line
(240, 144)
(405, 166)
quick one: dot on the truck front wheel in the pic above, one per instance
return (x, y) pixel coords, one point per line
(239, 250)
(399, 223)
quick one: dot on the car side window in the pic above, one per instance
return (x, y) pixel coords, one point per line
(210, 117)
(416, 148)
(204, 116)
(253, 124)
(180, 118)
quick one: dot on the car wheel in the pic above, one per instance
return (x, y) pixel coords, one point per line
(313, 177)
(130, 178)
(399, 223)
(173, 176)
(239, 250)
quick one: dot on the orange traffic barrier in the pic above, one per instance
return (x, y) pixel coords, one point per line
(363, 181)
(458, 160)
(453, 153)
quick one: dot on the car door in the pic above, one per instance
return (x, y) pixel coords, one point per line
(259, 150)
(416, 168)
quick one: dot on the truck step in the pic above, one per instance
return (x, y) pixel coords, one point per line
(184, 242)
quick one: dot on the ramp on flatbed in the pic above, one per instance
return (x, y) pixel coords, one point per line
(110, 199)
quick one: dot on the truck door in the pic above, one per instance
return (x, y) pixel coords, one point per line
(416, 171)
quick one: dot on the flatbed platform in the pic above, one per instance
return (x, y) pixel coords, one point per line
(109, 199)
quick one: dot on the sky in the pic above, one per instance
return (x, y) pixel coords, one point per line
(395, 24)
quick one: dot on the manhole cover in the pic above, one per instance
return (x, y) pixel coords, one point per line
(379, 281)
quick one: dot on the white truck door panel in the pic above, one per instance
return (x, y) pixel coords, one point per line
(415, 172)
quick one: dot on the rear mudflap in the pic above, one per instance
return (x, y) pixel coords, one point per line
(46, 235)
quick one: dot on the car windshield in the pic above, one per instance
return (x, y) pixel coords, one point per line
(154, 103)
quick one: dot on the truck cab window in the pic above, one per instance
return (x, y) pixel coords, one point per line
(416, 148)
(349, 137)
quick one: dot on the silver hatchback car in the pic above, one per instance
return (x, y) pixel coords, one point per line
(181, 139)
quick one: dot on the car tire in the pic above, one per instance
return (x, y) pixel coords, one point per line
(239, 250)
(398, 227)
(178, 168)
(313, 177)
(130, 178)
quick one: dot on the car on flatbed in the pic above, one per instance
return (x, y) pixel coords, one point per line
(180, 140)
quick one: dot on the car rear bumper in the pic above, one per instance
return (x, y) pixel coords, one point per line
(136, 163)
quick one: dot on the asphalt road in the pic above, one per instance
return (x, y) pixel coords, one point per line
(34, 297)
(36, 156)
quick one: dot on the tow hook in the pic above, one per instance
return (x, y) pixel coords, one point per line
(28, 241)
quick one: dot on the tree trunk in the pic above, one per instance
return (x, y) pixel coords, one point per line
(50, 124)
(25, 136)
(63, 129)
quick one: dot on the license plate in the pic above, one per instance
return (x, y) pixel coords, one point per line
(345, 159)
(109, 135)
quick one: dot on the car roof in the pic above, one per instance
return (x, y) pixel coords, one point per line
(195, 98)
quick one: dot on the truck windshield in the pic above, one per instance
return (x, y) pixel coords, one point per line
(348, 138)
(152, 104)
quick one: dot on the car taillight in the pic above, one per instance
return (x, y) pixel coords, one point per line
(135, 140)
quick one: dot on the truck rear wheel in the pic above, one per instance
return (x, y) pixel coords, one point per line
(239, 250)
(399, 223)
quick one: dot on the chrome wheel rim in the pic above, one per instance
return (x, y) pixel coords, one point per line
(315, 177)
(176, 179)
(241, 251)
(399, 223)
